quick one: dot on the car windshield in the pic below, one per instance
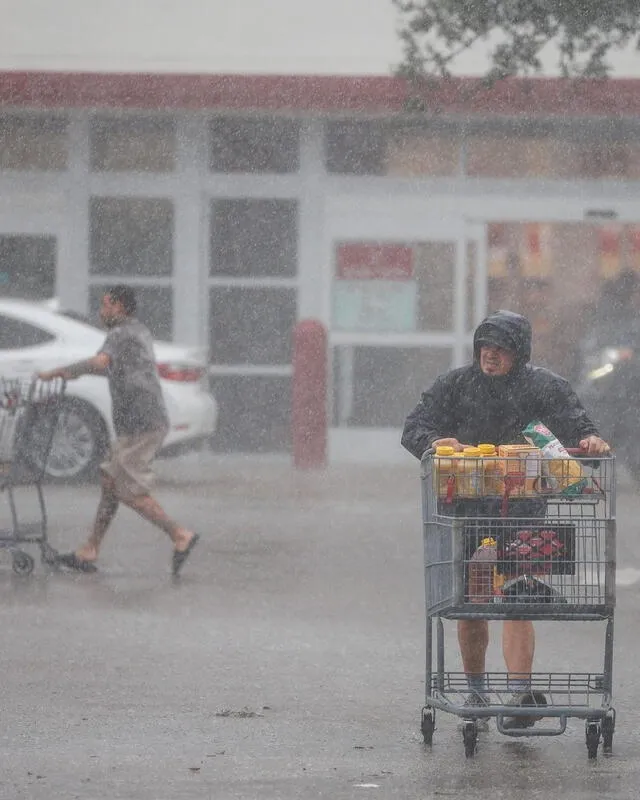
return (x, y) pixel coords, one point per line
(79, 318)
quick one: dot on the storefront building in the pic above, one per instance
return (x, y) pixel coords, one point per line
(239, 205)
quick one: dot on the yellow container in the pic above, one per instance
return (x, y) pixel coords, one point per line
(492, 470)
(445, 471)
(470, 473)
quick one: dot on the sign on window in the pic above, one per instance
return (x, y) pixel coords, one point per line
(374, 288)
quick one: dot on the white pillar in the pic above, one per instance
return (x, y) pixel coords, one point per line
(190, 267)
(312, 266)
(460, 294)
(73, 246)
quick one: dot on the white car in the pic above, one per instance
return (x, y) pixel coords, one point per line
(34, 337)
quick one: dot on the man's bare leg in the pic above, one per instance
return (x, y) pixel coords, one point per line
(518, 647)
(107, 508)
(473, 638)
(150, 509)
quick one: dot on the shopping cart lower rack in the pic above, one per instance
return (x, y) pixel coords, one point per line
(520, 551)
(29, 412)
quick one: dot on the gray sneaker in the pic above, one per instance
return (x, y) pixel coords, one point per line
(476, 700)
(524, 700)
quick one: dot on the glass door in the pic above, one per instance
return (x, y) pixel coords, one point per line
(29, 254)
(407, 290)
(28, 263)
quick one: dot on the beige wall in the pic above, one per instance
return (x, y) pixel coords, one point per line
(208, 36)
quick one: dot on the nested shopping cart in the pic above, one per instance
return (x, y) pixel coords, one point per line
(507, 542)
(29, 411)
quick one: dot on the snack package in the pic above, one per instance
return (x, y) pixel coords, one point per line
(564, 472)
(521, 468)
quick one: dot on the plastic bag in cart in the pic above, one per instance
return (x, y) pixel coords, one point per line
(528, 589)
(10, 417)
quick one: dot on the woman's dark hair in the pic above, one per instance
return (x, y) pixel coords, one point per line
(126, 296)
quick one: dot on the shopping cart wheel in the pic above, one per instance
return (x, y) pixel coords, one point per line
(608, 727)
(470, 737)
(22, 563)
(49, 555)
(428, 724)
(592, 731)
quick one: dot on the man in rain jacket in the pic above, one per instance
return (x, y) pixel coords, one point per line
(493, 400)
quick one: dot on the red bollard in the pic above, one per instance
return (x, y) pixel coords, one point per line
(309, 395)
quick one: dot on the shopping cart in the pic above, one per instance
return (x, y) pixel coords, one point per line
(503, 541)
(29, 413)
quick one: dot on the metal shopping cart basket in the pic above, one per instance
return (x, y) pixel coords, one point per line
(505, 540)
(29, 412)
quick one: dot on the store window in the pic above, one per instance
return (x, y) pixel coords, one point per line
(378, 386)
(411, 154)
(510, 155)
(254, 413)
(155, 307)
(356, 147)
(28, 266)
(33, 142)
(254, 145)
(131, 236)
(132, 144)
(254, 238)
(251, 325)
(604, 159)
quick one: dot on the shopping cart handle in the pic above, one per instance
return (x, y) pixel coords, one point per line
(578, 451)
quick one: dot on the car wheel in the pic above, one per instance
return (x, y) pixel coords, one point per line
(79, 444)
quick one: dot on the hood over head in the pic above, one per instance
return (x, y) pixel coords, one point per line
(508, 330)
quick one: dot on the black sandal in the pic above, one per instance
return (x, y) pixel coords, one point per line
(180, 556)
(71, 561)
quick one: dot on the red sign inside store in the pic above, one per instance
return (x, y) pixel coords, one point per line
(363, 261)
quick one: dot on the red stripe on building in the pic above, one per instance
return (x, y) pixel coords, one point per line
(304, 93)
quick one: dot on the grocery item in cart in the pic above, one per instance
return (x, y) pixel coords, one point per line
(445, 471)
(480, 587)
(469, 483)
(528, 589)
(10, 418)
(458, 474)
(522, 467)
(563, 472)
(544, 550)
(492, 470)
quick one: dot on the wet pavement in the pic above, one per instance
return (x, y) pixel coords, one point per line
(287, 662)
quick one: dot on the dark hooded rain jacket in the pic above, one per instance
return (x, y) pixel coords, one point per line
(475, 408)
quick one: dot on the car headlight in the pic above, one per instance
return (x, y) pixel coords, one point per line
(600, 372)
(612, 355)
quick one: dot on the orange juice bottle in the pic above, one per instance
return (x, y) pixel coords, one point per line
(445, 468)
(470, 470)
(492, 470)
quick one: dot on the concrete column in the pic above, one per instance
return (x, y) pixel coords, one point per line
(190, 267)
(314, 272)
(73, 245)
